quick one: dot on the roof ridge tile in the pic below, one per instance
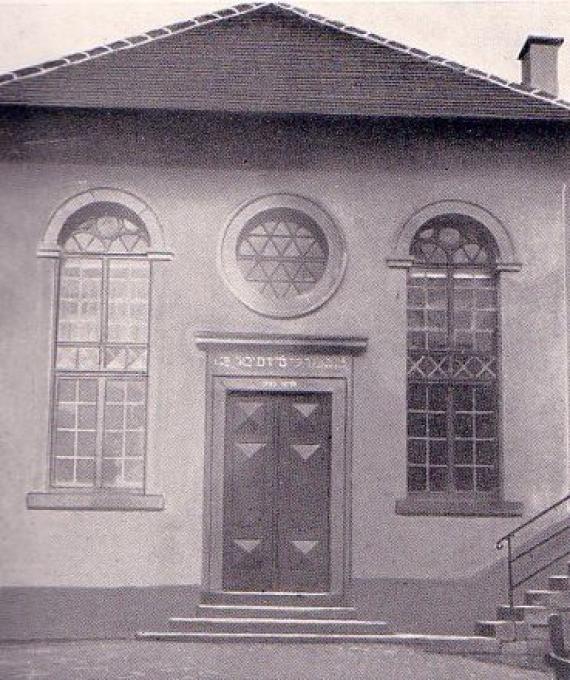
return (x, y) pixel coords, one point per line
(77, 56)
(138, 39)
(158, 32)
(118, 44)
(97, 51)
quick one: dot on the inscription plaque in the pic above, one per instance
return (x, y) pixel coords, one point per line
(281, 361)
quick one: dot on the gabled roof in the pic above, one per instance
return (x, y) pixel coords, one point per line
(271, 57)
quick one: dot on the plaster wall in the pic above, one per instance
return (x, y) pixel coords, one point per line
(371, 185)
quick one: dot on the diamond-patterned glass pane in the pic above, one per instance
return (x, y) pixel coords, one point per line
(107, 234)
(282, 254)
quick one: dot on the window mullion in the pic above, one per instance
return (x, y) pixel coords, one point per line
(101, 380)
(450, 401)
(100, 429)
(104, 310)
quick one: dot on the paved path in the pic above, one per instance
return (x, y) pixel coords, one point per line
(131, 660)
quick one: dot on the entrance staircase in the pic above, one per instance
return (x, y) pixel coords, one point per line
(528, 622)
(523, 622)
(233, 618)
(519, 627)
(227, 619)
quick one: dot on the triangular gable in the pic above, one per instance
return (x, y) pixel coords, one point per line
(269, 57)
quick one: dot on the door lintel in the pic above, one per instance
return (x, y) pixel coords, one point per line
(206, 340)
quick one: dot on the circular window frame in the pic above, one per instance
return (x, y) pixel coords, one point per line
(303, 303)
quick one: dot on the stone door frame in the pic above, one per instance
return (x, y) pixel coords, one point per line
(279, 364)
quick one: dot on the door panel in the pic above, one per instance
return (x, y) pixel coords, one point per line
(277, 492)
(248, 488)
(304, 481)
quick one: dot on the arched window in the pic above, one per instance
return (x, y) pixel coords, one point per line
(101, 351)
(453, 443)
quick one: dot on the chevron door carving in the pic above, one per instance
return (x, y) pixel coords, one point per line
(276, 492)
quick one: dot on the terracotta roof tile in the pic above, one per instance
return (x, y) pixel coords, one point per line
(532, 97)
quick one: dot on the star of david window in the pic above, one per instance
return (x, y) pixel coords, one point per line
(453, 443)
(283, 256)
(101, 352)
(282, 253)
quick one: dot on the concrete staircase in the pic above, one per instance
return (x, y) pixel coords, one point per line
(269, 623)
(527, 624)
(235, 621)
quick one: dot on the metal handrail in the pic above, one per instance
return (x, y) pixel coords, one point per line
(507, 538)
(531, 520)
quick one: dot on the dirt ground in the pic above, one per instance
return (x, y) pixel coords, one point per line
(126, 660)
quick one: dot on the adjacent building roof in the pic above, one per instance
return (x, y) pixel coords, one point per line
(270, 57)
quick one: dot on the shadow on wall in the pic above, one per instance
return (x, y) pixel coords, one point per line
(408, 605)
(453, 607)
(90, 613)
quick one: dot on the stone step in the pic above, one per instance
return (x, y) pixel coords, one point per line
(538, 631)
(538, 597)
(273, 611)
(276, 625)
(530, 613)
(553, 599)
(559, 582)
(438, 643)
(505, 631)
(509, 631)
(273, 599)
(538, 647)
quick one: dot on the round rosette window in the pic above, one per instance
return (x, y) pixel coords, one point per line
(282, 256)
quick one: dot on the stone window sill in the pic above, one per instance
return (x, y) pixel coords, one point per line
(93, 501)
(458, 507)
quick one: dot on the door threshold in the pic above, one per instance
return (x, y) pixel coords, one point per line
(273, 598)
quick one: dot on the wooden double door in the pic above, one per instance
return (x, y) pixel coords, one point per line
(277, 482)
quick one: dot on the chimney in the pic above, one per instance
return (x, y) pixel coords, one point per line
(539, 63)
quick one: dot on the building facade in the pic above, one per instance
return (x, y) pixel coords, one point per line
(284, 315)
